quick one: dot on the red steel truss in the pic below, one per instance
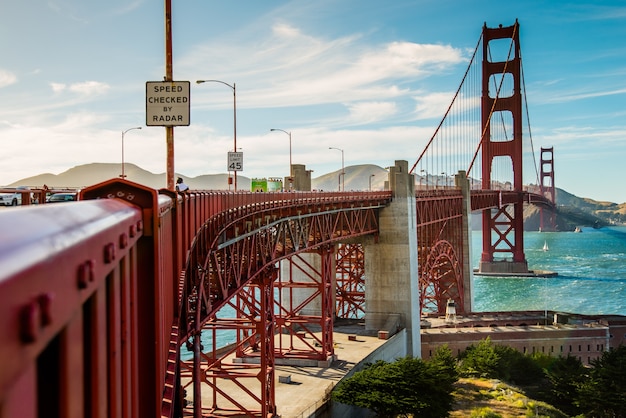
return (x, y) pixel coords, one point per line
(439, 232)
(350, 286)
(235, 254)
(305, 291)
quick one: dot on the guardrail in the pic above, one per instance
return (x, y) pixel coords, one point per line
(70, 336)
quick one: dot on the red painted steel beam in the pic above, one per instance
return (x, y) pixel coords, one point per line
(64, 289)
(350, 281)
(239, 246)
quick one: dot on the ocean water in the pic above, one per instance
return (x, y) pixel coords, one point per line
(591, 268)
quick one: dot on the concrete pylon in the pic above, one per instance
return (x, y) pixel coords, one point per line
(301, 180)
(391, 267)
(462, 182)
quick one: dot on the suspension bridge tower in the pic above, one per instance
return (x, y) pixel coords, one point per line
(547, 221)
(503, 245)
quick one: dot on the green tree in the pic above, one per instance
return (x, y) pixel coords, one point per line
(564, 376)
(444, 364)
(407, 386)
(518, 368)
(490, 360)
(480, 360)
(603, 392)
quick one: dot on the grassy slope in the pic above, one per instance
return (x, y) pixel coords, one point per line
(500, 398)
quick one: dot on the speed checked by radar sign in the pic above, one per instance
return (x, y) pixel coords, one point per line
(167, 103)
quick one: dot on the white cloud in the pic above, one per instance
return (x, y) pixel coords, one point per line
(57, 87)
(89, 87)
(587, 95)
(401, 59)
(285, 31)
(85, 88)
(291, 68)
(80, 121)
(7, 78)
(581, 137)
(431, 105)
(369, 112)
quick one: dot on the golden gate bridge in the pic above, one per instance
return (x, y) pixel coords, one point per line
(100, 296)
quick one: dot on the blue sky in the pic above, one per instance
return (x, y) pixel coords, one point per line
(370, 77)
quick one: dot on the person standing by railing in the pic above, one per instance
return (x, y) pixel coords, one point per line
(181, 187)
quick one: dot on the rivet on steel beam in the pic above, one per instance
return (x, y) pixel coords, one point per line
(123, 241)
(109, 253)
(132, 231)
(45, 300)
(28, 323)
(140, 225)
(86, 273)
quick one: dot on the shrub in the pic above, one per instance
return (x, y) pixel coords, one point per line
(407, 386)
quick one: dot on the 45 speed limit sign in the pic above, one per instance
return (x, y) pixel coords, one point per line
(235, 161)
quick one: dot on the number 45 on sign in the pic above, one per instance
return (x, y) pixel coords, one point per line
(235, 161)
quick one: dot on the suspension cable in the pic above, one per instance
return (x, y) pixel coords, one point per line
(530, 135)
(449, 107)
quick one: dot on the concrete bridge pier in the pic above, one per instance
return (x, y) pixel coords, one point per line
(391, 268)
(462, 182)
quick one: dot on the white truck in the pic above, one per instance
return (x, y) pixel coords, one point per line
(12, 197)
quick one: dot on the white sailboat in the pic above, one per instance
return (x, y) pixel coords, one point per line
(545, 246)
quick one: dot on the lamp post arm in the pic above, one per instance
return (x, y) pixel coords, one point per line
(123, 175)
(289, 134)
(342, 175)
(216, 81)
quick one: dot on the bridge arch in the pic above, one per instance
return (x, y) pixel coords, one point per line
(441, 278)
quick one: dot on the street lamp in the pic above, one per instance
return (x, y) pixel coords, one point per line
(233, 87)
(371, 175)
(123, 133)
(288, 133)
(342, 175)
(424, 171)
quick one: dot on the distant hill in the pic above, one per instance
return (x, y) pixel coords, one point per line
(88, 174)
(357, 178)
(572, 210)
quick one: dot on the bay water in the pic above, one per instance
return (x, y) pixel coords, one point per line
(591, 268)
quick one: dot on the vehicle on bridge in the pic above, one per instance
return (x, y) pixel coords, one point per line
(12, 198)
(62, 197)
